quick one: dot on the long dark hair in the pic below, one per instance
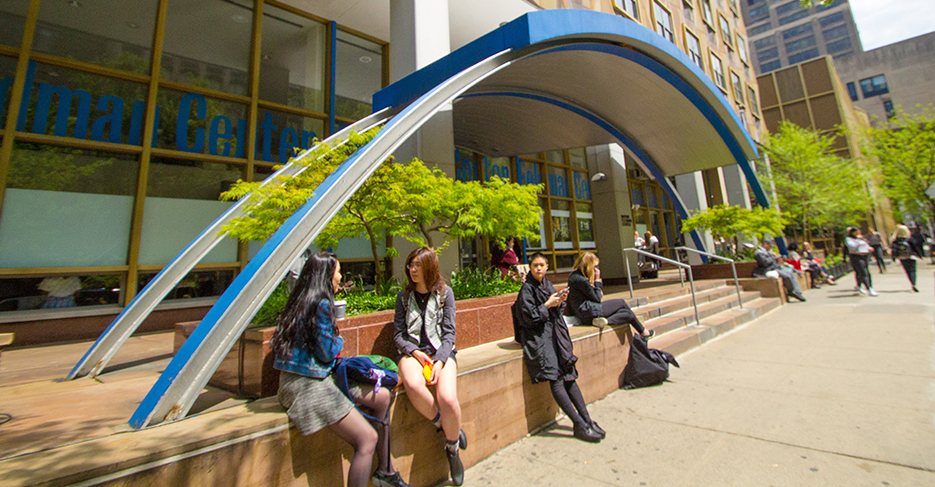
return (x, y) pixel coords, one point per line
(295, 327)
(430, 271)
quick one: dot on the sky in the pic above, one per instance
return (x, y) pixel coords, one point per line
(883, 22)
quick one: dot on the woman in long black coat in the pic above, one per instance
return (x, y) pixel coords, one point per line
(547, 348)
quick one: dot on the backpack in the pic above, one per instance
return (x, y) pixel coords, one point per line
(901, 250)
(646, 366)
(364, 370)
(517, 311)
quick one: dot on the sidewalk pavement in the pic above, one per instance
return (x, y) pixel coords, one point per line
(839, 390)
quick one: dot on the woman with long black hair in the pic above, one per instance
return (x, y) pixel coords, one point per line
(306, 343)
(425, 338)
(547, 348)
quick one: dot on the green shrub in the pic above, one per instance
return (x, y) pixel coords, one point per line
(270, 310)
(476, 283)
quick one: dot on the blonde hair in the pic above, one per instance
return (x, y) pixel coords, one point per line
(586, 263)
(902, 231)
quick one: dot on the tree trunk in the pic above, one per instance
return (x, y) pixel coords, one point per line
(377, 267)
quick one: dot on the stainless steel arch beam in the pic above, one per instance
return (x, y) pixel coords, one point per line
(132, 316)
(186, 375)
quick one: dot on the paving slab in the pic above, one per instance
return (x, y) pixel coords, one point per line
(838, 390)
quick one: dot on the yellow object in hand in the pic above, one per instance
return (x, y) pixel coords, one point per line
(427, 371)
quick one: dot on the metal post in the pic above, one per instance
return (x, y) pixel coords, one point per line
(691, 280)
(737, 283)
(629, 277)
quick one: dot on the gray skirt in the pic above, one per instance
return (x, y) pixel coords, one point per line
(312, 404)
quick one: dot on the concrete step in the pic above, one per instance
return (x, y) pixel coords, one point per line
(686, 315)
(648, 296)
(680, 302)
(683, 339)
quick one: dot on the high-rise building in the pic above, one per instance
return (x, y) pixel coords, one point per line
(783, 33)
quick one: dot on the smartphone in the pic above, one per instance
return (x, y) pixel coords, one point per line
(564, 291)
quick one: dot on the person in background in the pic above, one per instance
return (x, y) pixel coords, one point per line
(858, 251)
(876, 241)
(906, 253)
(547, 348)
(584, 299)
(638, 241)
(505, 258)
(815, 263)
(60, 291)
(917, 239)
(803, 265)
(767, 265)
(305, 345)
(425, 337)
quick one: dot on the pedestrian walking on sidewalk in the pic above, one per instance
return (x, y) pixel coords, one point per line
(858, 251)
(879, 249)
(906, 253)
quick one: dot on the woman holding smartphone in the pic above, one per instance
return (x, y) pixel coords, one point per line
(425, 337)
(547, 348)
(585, 303)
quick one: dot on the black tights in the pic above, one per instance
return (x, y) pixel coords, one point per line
(617, 313)
(367, 436)
(569, 398)
(909, 266)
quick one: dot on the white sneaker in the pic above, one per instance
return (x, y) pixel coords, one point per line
(861, 290)
(599, 322)
(872, 292)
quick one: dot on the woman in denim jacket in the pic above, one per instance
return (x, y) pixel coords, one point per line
(306, 344)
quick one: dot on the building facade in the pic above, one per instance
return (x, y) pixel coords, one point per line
(783, 33)
(121, 127)
(896, 75)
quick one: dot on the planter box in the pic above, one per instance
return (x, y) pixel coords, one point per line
(723, 271)
(248, 367)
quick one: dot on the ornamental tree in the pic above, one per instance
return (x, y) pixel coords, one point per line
(727, 222)
(906, 152)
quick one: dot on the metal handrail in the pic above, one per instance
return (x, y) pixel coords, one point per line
(691, 279)
(733, 266)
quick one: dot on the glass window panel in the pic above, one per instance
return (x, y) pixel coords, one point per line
(663, 22)
(706, 12)
(737, 86)
(564, 262)
(528, 172)
(718, 72)
(191, 122)
(280, 133)
(628, 6)
(207, 43)
(582, 185)
(66, 207)
(839, 46)
(831, 19)
(792, 18)
(260, 173)
(496, 166)
(578, 158)
(558, 182)
(181, 201)
(725, 30)
(651, 195)
(555, 157)
(465, 166)
(694, 48)
(742, 49)
(197, 284)
(12, 22)
(538, 242)
(754, 101)
(102, 33)
(292, 65)
(561, 225)
(7, 72)
(359, 74)
(70, 103)
(57, 291)
(636, 195)
(585, 225)
(803, 56)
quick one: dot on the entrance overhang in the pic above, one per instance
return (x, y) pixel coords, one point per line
(626, 85)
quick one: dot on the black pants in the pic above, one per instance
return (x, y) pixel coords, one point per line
(878, 255)
(860, 263)
(909, 265)
(617, 313)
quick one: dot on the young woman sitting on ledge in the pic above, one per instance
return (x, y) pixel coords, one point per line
(425, 337)
(547, 348)
(584, 299)
(305, 345)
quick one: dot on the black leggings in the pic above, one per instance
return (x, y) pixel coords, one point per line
(860, 263)
(909, 265)
(569, 398)
(617, 313)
